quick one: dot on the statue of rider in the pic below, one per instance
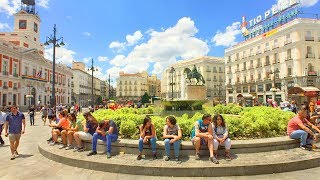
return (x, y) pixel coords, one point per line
(194, 71)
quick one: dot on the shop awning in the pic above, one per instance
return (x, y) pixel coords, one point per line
(302, 90)
(246, 96)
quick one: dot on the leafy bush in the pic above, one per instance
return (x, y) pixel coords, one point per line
(251, 122)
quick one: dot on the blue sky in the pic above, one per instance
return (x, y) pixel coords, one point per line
(133, 35)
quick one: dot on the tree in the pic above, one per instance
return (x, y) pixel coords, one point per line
(145, 98)
(99, 100)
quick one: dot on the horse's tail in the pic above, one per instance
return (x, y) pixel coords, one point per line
(203, 81)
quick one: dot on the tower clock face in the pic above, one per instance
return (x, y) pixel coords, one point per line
(22, 24)
(35, 27)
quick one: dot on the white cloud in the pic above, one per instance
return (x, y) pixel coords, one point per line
(118, 60)
(133, 39)
(5, 27)
(12, 6)
(102, 58)
(43, 3)
(86, 60)
(163, 47)
(228, 37)
(98, 73)
(86, 34)
(117, 46)
(304, 3)
(63, 55)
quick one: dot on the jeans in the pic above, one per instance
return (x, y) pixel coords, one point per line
(152, 142)
(31, 120)
(302, 135)
(1, 140)
(176, 147)
(108, 139)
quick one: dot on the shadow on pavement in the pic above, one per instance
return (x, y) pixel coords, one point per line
(25, 155)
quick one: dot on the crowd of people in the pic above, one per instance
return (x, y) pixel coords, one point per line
(206, 132)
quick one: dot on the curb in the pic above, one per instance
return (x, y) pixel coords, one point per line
(196, 171)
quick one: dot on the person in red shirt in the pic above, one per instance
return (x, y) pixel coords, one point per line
(297, 129)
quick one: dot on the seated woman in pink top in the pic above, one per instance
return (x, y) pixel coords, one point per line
(63, 124)
(297, 129)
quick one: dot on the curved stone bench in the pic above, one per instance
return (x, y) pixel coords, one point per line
(129, 146)
(242, 164)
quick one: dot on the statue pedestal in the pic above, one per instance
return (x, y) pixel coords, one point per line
(196, 92)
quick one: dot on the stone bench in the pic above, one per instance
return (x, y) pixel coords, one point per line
(129, 146)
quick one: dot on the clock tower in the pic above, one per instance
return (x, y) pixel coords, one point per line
(27, 26)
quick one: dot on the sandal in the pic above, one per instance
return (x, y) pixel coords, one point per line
(228, 156)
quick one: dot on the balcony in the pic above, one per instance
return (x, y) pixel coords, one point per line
(209, 79)
(266, 49)
(288, 58)
(287, 41)
(312, 73)
(208, 70)
(15, 75)
(275, 46)
(5, 87)
(6, 73)
(309, 38)
(310, 55)
(258, 52)
(15, 88)
(237, 70)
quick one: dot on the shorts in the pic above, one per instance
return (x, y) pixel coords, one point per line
(85, 136)
(50, 116)
(44, 116)
(14, 137)
(59, 128)
(202, 141)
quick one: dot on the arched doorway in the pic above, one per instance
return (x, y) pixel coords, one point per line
(33, 93)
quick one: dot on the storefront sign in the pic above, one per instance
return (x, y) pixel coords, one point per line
(276, 16)
(311, 93)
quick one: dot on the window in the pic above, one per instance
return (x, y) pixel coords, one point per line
(309, 49)
(244, 66)
(244, 54)
(237, 56)
(267, 60)
(5, 66)
(34, 72)
(289, 72)
(309, 36)
(259, 76)
(260, 87)
(26, 71)
(287, 36)
(251, 64)
(275, 42)
(288, 54)
(45, 75)
(214, 69)
(220, 69)
(259, 62)
(15, 69)
(276, 57)
(251, 51)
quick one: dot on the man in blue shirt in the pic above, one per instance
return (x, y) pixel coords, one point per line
(14, 121)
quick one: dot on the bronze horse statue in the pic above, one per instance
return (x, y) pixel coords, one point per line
(194, 74)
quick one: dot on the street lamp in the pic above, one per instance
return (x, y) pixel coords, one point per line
(172, 71)
(92, 69)
(274, 89)
(219, 92)
(55, 42)
(109, 84)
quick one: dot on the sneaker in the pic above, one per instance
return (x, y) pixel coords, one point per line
(75, 149)
(69, 147)
(305, 147)
(12, 157)
(108, 155)
(139, 157)
(155, 156)
(81, 149)
(228, 156)
(214, 160)
(197, 156)
(167, 158)
(177, 159)
(92, 153)
(52, 143)
(62, 146)
(50, 139)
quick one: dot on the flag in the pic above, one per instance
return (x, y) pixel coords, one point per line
(39, 74)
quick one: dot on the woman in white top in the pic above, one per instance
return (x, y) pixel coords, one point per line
(221, 136)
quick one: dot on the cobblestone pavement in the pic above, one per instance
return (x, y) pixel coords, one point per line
(32, 165)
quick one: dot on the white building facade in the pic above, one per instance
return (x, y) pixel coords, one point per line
(212, 70)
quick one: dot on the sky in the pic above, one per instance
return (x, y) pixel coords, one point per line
(137, 35)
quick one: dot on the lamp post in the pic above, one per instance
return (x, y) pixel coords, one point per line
(172, 70)
(55, 43)
(110, 91)
(92, 69)
(274, 89)
(219, 92)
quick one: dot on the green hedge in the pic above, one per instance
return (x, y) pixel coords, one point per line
(251, 122)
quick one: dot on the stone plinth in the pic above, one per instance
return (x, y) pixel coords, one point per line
(196, 92)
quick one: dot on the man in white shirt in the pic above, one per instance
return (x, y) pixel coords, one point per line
(3, 116)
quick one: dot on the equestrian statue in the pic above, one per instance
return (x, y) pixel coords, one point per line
(194, 74)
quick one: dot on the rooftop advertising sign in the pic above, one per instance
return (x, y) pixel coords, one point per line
(278, 15)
